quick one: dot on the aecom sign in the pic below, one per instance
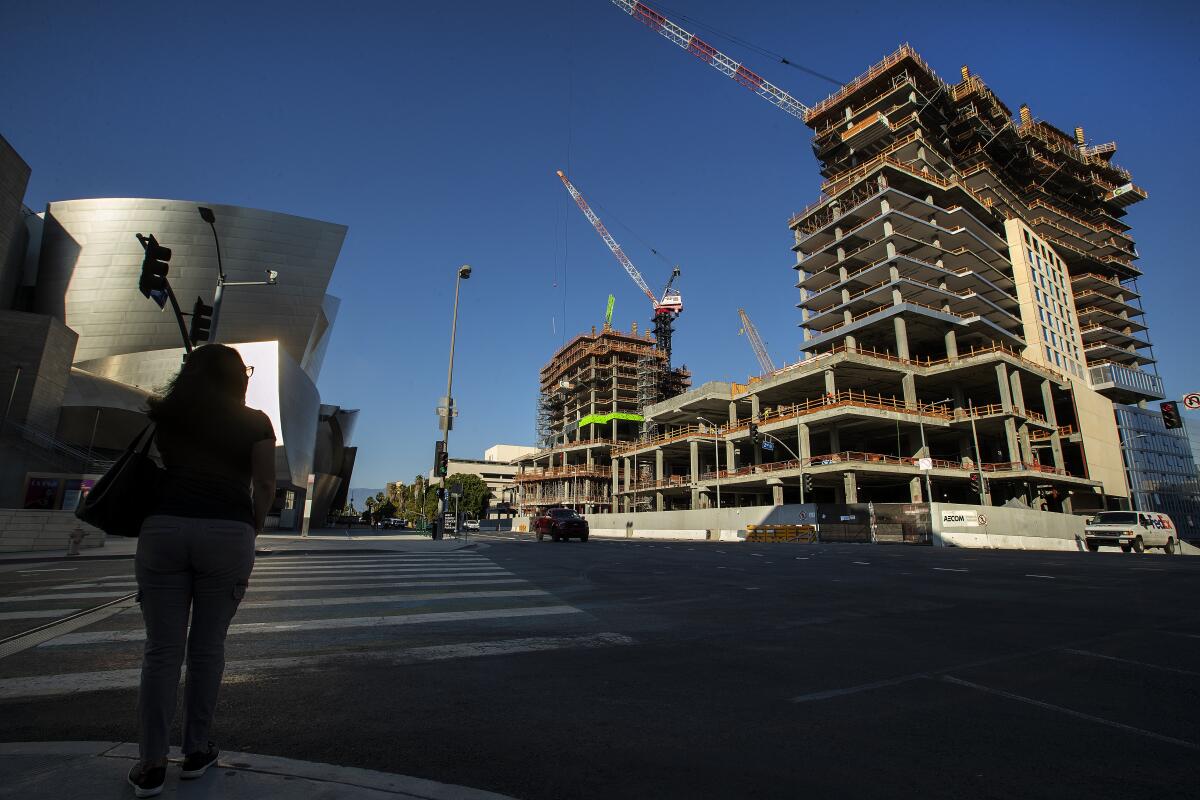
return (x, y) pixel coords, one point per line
(963, 519)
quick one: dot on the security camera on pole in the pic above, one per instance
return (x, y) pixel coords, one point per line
(446, 414)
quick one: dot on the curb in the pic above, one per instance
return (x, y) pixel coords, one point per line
(285, 773)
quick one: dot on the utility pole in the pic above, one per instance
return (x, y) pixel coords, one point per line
(978, 460)
(446, 409)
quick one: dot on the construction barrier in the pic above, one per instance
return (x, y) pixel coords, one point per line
(806, 534)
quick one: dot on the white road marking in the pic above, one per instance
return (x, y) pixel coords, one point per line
(35, 571)
(304, 570)
(383, 576)
(308, 625)
(392, 598)
(236, 671)
(1090, 654)
(864, 563)
(864, 687)
(1181, 633)
(802, 558)
(752, 588)
(33, 598)
(949, 569)
(1072, 713)
(1047, 577)
(39, 614)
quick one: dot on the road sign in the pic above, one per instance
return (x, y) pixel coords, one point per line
(1191, 400)
(768, 445)
(456, 489)
(450, 522)
(925, 463)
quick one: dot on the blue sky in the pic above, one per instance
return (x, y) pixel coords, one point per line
(434, 129)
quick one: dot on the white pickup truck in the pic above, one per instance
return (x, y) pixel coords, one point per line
(1131, 530)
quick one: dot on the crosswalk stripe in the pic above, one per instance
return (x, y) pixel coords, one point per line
(277, 585)
(255, 580)
(72, 683)
(32, 598)
(370, 557)
(379, 568)
(309, 625)
(298, 602)
(38, 614)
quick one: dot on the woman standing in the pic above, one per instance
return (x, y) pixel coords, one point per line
(196, 550)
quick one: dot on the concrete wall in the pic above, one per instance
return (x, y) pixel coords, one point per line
(697, 523)
(1004, 528)
(22, 531)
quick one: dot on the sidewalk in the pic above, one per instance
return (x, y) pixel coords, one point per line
(268, 543)
(98, 769)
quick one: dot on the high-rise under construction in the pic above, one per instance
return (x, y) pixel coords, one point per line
(969, 312)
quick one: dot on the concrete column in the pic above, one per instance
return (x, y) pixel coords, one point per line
(835, 441)
(908, 384)
(1048, 403)
(1026, 447)
(732, 412)
(616, 480)
(730, 456)
(851, 343)
(628, 472)
(1011, 439)
(830, 382)
(1056, 451)
(901, 328)
(658, 464)
(951, 339)
(659, 502)
(1018, 393)
(694, 460)
(805, 444)
(590, 461)
(754, 406)
(850, 486)
(916, 490)
(1005, 389)
(777, 495)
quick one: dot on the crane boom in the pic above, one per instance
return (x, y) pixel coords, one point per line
(608, 239)
(713, 57)
(760, 350)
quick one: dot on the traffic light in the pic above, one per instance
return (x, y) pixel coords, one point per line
(754, 435)
(808, 484)
(441, 459)
(154, 269)
(201, 322)
(975, 485)
(1170, 414)
(441, 494)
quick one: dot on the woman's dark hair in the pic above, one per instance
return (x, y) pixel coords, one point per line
(214, 376)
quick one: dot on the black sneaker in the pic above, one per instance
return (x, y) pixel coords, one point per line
(147, 782)
(194, 764)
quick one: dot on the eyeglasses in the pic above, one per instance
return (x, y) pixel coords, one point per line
(249, 371)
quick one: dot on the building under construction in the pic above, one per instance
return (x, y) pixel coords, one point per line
(969, 311)
(592, 397)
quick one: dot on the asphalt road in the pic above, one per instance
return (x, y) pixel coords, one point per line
(632, 669)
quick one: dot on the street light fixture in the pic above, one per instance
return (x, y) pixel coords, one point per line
(208, 216)
(446, 410)
(716, 457)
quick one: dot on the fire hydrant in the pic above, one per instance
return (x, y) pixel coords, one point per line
(76, 541)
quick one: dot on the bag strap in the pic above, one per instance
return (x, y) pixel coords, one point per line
(137, 440)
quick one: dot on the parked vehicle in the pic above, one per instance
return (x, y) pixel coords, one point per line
(471, 525)
(393, 523)
(1131, 530)
(559, 524)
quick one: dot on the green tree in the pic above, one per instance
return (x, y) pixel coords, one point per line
(474, 493)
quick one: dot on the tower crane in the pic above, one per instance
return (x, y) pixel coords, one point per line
(666, 307)
(760, 350)
(713, 57)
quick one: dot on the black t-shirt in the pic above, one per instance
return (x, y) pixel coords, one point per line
(208, 463)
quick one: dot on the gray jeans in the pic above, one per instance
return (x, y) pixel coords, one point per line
(201, 566)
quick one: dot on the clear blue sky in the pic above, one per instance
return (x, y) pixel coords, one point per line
(433, 130)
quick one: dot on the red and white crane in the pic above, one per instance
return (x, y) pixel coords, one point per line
(666, 307)
(713, 57)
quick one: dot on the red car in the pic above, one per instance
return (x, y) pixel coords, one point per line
(561, 523)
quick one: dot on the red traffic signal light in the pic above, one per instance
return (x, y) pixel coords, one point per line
(1170, 414)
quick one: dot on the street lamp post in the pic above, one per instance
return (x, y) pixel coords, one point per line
(975, 439)
(208, 216)
(928, 454)
(792, 453)
(716, 458)
(446, 410)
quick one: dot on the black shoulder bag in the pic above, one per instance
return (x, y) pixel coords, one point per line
(124, 497)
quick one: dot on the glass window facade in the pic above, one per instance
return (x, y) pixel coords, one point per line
(1159, 467)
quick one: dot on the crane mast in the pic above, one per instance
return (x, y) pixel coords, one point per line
(760, 350)
(713, 57)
